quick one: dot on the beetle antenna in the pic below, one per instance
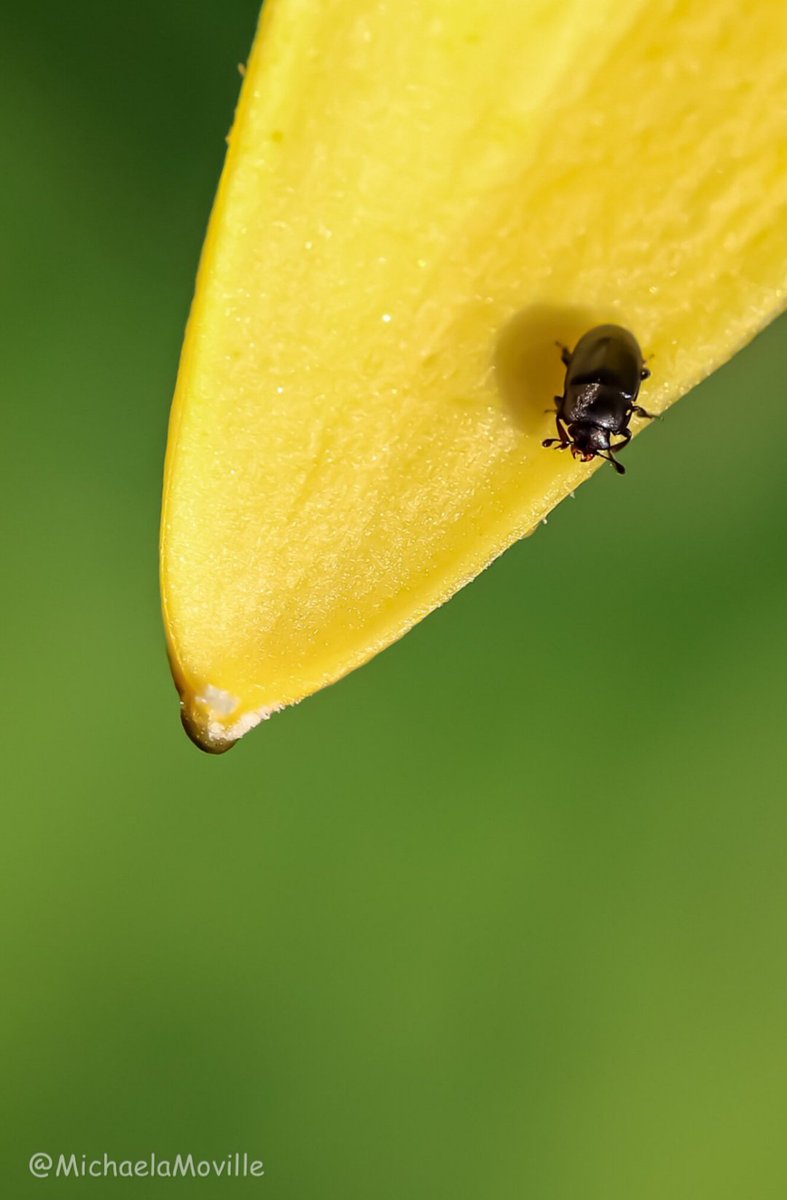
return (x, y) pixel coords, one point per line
(621, 470)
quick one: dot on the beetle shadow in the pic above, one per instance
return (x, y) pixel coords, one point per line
(527, 367)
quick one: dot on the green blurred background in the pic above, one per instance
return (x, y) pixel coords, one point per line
(501, 915)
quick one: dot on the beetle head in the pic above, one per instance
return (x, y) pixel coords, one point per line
(588, 440)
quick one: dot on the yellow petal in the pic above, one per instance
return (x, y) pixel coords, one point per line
(418, 200)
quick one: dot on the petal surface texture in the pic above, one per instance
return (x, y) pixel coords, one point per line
(418, 200)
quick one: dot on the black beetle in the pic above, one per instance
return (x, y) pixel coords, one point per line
(603, 376)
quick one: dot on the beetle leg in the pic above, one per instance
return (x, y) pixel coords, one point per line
(565, 354)
(642, 413)
(627, 436)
